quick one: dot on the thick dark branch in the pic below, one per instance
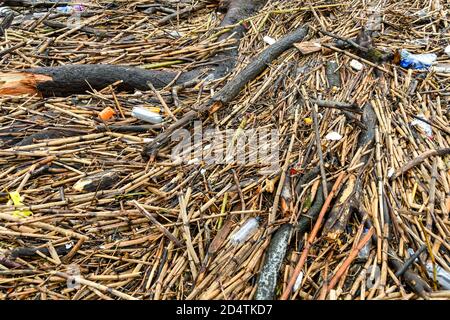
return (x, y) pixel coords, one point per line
(59, 25)
(33, 3)
(232, 88)
(6, 23)
(74, 79)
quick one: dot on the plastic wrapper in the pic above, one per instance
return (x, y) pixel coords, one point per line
(442, 275)
(416, 61)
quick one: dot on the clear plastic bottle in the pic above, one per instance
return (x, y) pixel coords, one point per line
(245, 231)
(146, 115)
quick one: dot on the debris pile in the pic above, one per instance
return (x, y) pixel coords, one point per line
(240, 149)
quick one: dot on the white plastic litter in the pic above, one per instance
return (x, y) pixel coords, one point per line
(270, 41)
(333, 136)
(447, 50)
(390, 172)
(356, 65)
(175, 34)
(442, 275)
(144, 140)
(423, 125)
(442, 68)
(298, 282)
(245, 231)
(146, 115)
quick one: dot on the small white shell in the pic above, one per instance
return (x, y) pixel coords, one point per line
(245, 231)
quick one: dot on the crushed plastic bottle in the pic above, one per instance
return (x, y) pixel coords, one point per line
(425, 127)
(245, 231)
(416, 61)
(442, 275)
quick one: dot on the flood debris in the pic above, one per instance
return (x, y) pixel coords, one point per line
(224, 150)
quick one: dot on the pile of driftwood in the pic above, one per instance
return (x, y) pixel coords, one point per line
(352, 201)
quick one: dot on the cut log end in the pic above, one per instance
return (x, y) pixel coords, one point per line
(21, 83)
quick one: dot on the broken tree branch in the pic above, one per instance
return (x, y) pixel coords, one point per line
(231, 89)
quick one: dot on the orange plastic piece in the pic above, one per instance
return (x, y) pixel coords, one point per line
(106, 113)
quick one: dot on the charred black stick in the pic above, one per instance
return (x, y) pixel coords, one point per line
(412, 279)
(306, 178)
(23, 252)
(307, 220)
(258, 65)
(6, 23)
(34, 3)
(410, 261)
(59, 25)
